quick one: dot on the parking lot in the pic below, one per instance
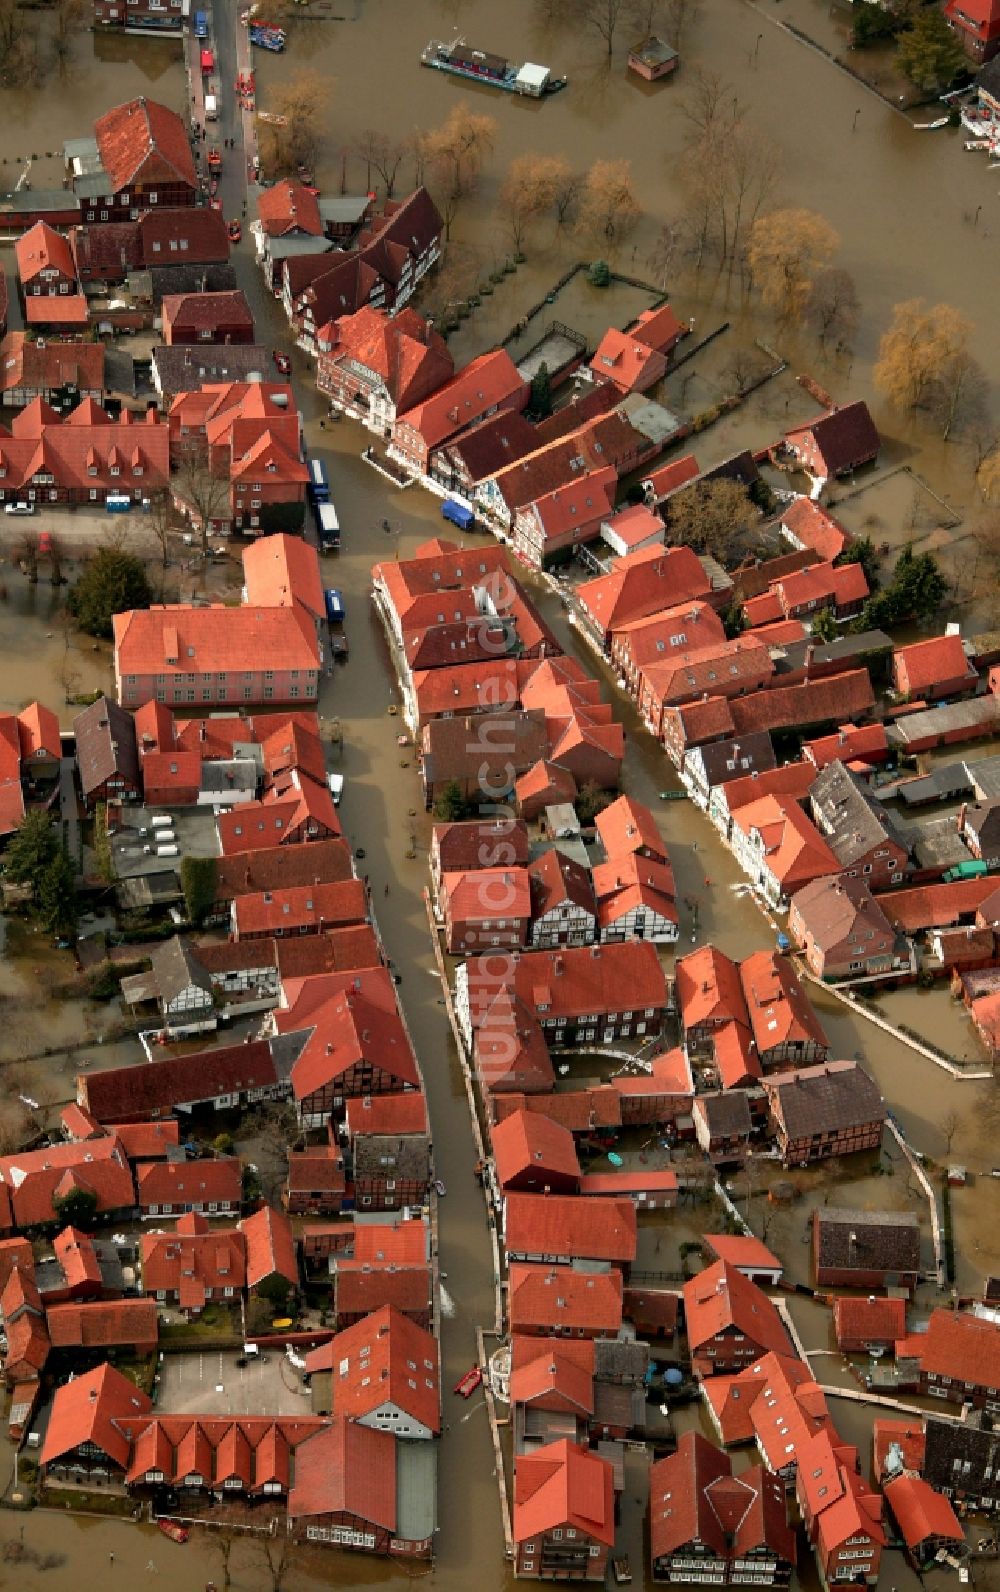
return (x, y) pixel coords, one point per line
(209, 1382)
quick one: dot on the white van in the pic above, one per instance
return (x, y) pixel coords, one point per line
(336, 784)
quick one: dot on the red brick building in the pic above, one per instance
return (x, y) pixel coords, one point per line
(141, 158)
(206, 318)
(818, 1112)
(928, 670)
(45, 262)
(707, 1524)
(378, 367)
(84, 458)
(836, 443)
(977, 23)
(730, 1321)
(564, 1513)
(485, 385)
(841, 1514)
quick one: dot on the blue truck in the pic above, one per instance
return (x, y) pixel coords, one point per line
(334, 605)
(200, 25)
(327, 526)
(319, 481)
(458, 514)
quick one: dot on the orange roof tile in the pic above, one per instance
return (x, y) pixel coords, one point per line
(384, 1359)
(563, 1485)
(144, 141)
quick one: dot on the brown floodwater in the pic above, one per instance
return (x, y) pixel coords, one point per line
(900, 201)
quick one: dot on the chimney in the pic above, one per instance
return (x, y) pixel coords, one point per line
(558, 966)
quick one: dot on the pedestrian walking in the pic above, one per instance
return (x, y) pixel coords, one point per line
(387, 889)
(111, 1558)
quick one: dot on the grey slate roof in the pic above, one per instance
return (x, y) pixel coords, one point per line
(175, 968)
(868, 1240)
(848, 815)
(106, 745)
(719, 761)
(831, 1098)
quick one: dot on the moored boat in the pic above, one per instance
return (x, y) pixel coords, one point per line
(173, 1529)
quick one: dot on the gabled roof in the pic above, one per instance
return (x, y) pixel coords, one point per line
(288, 207)
(146, 141)
(557, 880)
(831, 1098)
(695, 1498)
(870, 1320)
(155, 1088)
(279, 571)
(89, 1410)
(563, 1299)
(527, 1141)
(564, 1224)
(42, 249)
(564, 1484)
(919, 1511)
(183, 1183)
(779, 1010)
(813, 702)
(924, 665)
(572, 981)
(830, 909)
(791, 845)
(103, 1324)
(270, 1246)
(745, 1253)
(345, 1468)
(708, 988)
(844, 437)
(168, 640)
(814, 527)
(384, 1359)
(721, 1298)
(550, 1379)
(346, 1019)
(627, 826)
(962, 1347)
(484, 383)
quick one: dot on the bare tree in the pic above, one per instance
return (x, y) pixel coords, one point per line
(161, 520)
(787, 250)
(833, 307)
(28, 554)
(383, 155)
(56, 576)
(279, 1552)
(67, 18)
(949, 1127)
(224, 1540)
(680, 14)
(529, 190)
(567, 197)
(959, 396)
(603, 16)
(608, 206)
(299, 106)
(456, 151)
(204, 491)
(925, 363)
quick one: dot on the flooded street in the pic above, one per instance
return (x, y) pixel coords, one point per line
(901, 204)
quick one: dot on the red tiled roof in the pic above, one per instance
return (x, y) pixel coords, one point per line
(868, 1320)
(921, 1512)
(146, 142)
(364, 1286)
(386, 1113)
(42, 249)
(550, 1379)
(526, 1140)
(813, 702)
(15, 1253)
(815, 528)
(580, 1110)
(287, 207)
(483, 894)
(658, 328)
(277, 911)
(279, 571)
(851, 743)
(90, 1409)
(924, 665)
(481, 843)
(669, 1074)
(695, 1498)
(392, 1243)
(155, 1088)
(557, 1224)
(482, 384)
(181, 1183)
(908, 1435)
(102, 1324)
(935, 905)
(348, 1018)
(26, 364)
(206, 312)
(630, 364)
(410, 358)
(563, 1484)
(346, 1469)
(384, 1359)
(793, 848)
(626, 826)
(779, 1010)
(576, 506)
(845, 437)
(168, 235)
(626, 883)
(962, 1347)
(708, 988)
(573, 980)
(721, 1297)
(735, 1055)
(160, 640)
(671, 477)
(565, 1300)
(270, 1247)
(63, 310)
(193, 1260)
(77, 1256)
(30, 1181)
(741, 1252)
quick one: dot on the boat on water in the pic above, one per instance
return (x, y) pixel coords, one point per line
(469, 1382)
(172, 1529)
(495, 71)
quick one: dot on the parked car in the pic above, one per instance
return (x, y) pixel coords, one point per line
(282, 361)
(336, 784)
(19, 508)
(235, 231)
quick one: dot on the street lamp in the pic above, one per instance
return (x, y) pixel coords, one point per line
(854, 124)
(756, 48)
